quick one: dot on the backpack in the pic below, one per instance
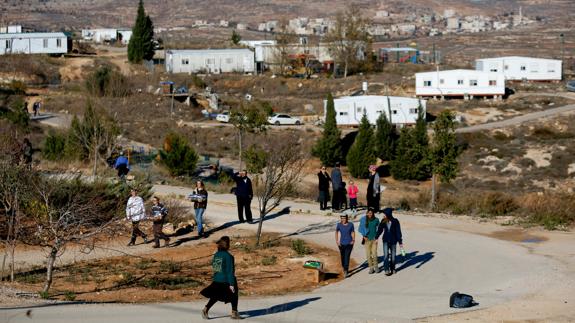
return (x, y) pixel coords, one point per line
(457, 300)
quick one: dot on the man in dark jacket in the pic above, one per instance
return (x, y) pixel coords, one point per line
(244, 194)
(323, 186)
(391, 230)
(336, 186)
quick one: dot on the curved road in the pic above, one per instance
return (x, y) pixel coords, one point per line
(443, 257)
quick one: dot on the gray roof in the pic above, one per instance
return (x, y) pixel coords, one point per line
(32, 35)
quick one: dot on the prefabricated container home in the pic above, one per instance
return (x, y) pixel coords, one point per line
(34, 43)
(400, 111)
(210, 61)
(522, 68)
(459, 83)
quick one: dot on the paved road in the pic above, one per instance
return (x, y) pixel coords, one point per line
(566, 109)
(442, 258)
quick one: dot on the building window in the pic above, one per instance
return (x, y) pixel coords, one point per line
(472, 82)
(534, 68)
(343, 113)
(426, 83)
(506, 67)
(359, 110)
(441, 81)
(210, 61)
(492, 82)
(393, 111)
(185, 61)
(523, 68)
(45, 43)
(413, 111)
(58, 42)
(459, 82)
(229, 60)
(8, 43)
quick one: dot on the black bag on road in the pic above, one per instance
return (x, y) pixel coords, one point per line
(458, 300)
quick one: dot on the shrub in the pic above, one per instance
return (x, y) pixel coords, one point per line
(54, 146)
(198, 82)
(170, 267)
(497, 204)
(404, 204)
(255, 159)
(70, 296)
(178, 156)
(269, 260)
(300, 247)
(106, 81)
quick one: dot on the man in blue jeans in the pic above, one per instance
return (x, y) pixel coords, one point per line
(391, 230)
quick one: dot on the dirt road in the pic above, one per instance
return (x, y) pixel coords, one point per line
(512, 280)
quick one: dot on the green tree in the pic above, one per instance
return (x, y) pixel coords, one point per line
(178, 156)
(247, 119)
(235, 38)
(362, 152)
(141, 44)
(385, 138)
(443, 152)
(412, 153)
(328, 148)
(256, 159)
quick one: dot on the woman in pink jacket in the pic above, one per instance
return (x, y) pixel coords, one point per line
(352, 191)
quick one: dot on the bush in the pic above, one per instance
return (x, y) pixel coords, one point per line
(497, 204)
(70, 296)
(269, 260)
(300, 247)
(198, 82)
(54, 146)
(404, 204)
(106, 81)
(170, 267)
(178, 156)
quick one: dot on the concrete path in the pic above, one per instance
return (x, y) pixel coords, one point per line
(443, 257)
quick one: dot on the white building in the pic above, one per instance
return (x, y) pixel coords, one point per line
(522, 68)
(459, 83)
(210, 61)
(34, 43)
(399, 110)
(12, 29)
(100, 35)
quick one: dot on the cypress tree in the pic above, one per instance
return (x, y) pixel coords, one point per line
(328, 148)
(141, 44)
(362, 152)
(385, 138)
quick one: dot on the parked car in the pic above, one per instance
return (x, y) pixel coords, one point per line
(283, 119)
(223, 117)
(571, 86)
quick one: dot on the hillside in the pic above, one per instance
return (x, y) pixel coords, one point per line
(71, 14)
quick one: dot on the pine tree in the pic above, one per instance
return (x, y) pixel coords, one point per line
(444, 151)
(328, 148)
(385, 138)
(235, 38)
(178, 156)
(141, 44)
(412, 152)
(362, 152)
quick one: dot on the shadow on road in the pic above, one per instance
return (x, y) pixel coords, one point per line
(413, 259)
(285, 307)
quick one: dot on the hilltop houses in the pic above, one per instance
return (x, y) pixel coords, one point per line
(460, 83)
(214, 61)
(519, 68)
(35, 43)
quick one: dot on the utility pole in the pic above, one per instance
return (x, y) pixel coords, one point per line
(562, 36)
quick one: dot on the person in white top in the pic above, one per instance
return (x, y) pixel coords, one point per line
(136, 212)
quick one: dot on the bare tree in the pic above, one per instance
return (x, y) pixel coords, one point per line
(348, 38)
(284, 162)
(283, 48)
(64, 216)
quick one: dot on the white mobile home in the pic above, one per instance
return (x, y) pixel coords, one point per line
(400, 111)
(210, 61)
(34, 43)
(522, 68)
(459, 83)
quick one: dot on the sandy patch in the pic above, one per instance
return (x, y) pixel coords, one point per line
(541, 157)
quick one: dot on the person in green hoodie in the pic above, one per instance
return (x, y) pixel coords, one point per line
(224, 286)
(368, 225)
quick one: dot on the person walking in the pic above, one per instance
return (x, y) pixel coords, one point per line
(122, 165)
(200, 198)
(336, 186)
(136, 212)
(352, 191)
(323, 186)
(159, 214)
(36, 108)
(224, 286)
(244, 194)
(368, 226)
(391, 230)
(27, 152)
(345, 237)
(373, 189)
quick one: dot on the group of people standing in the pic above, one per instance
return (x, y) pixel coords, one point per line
(340, 193)
(370, 228)
(136, 212)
